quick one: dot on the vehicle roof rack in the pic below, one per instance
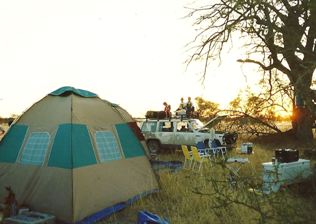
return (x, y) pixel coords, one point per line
(170, 118)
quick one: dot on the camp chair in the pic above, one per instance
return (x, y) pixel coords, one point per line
(187, 157)
(234, 169)
(205, 150)
(221, 150)
(198, 157)
(217, 148)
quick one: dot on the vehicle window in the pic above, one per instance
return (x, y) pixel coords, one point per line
(183, 126)
(166, 126)
(149, 126)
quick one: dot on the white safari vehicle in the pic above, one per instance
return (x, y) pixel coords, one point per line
(169, 133)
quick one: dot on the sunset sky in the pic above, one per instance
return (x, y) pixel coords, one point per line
(131, 53)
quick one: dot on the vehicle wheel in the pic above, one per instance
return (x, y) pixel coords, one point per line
(153, 146)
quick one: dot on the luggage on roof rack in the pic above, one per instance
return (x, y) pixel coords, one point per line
(155, 114)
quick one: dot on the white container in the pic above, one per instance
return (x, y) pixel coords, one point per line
(31, 218)
(246, 148)
(277, 174)
(23, 210)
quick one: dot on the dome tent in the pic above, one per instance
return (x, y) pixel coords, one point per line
(74, 155)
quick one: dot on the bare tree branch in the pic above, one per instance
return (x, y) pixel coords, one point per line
(282, 32)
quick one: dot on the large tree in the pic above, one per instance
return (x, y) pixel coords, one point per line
(278, 36)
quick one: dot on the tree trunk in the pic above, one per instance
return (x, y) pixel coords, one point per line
(302, 124)
(302, 119)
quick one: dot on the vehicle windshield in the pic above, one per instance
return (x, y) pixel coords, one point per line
(196, 124)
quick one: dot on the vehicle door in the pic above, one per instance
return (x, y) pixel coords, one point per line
(184, 133)
(165, 132)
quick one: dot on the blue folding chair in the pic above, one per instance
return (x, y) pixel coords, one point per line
(201, 147)
(205, 150)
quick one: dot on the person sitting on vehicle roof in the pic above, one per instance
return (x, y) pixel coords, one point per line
(167, 109)
(182, 104)
(181, 111)
(189, 108)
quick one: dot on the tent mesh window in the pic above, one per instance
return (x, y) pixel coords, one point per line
(107, 147)
(35, 149)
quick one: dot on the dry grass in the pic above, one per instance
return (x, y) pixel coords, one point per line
(207, 197)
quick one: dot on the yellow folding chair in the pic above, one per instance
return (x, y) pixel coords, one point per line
(198, 158)
(187, 157)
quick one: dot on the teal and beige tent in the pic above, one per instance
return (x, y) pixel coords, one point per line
(75, 156)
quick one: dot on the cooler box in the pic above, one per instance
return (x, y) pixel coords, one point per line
(276, 174)
(286, 155)
(31, 218)
(246, 148)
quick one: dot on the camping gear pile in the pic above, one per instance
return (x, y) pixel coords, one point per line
(155, 114)
(75, 156)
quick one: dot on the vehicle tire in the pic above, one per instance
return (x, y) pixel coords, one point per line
(153, 146)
